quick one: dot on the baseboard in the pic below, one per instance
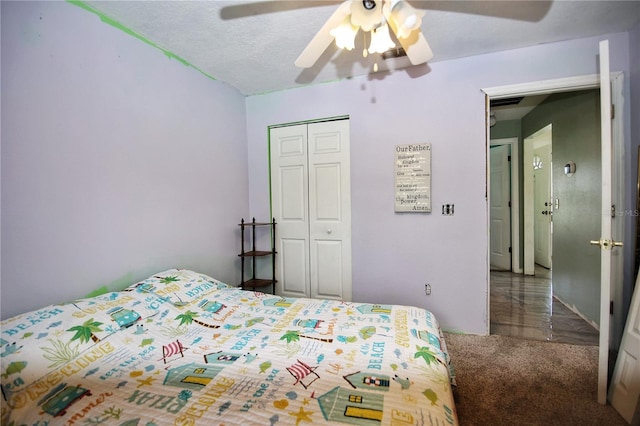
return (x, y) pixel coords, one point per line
(573, 309)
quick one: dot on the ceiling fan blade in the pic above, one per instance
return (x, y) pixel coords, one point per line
(417, 48)
(253, 8)
(522, 10)
(415, 45)
(323, 38)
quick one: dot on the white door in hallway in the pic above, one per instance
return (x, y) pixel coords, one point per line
(536, 172)
(311, 201)
(542, 196)
(500, 211)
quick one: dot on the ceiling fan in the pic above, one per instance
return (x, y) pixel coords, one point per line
(374, 17)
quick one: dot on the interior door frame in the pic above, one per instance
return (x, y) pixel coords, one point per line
(569, 84)
(516, 266)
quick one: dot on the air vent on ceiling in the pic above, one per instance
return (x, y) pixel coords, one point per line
(506, 101)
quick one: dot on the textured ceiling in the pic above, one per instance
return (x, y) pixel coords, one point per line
(252, 45)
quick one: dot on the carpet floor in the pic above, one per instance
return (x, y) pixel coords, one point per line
(508, 381)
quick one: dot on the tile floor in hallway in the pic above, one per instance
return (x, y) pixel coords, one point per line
(523, 306)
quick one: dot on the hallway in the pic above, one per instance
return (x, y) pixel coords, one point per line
(523, 306)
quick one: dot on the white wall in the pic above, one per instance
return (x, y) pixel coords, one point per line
(117, 162)
(395, 254)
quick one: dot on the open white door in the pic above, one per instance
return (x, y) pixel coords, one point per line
(536, 223)
(606, 241)
(625, 383)
(543, 203)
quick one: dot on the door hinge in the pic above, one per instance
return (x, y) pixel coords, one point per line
(509, 249)
(509, 158)
(611, 307)
(613, 211)
(613, 111)
(509, 203)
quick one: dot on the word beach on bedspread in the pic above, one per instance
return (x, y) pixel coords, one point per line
(182, 348)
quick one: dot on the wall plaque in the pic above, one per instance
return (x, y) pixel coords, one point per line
(413, 178)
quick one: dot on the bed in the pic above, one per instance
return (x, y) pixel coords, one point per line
(183, 348)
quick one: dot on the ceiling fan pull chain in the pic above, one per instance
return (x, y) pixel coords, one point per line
(365, 52)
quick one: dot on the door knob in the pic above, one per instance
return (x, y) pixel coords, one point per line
(329, 231)
(606, 244)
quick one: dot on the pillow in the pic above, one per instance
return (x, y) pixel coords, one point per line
(179, 286)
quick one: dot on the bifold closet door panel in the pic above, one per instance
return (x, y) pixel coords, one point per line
(311, 201)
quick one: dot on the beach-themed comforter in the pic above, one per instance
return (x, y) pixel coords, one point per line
(183, 348)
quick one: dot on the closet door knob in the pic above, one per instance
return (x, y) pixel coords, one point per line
(329, 231)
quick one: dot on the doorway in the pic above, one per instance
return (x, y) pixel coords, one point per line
(527, 305)
(577, 284)
(610, 288)
(577, 137)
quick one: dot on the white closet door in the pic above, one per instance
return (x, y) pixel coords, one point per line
(290, 207)
(311, 201)
(330, 210)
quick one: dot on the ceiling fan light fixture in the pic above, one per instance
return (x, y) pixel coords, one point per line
(366, 15)
(406, 17)
(345, 34)
(370, 16)
(381, 40)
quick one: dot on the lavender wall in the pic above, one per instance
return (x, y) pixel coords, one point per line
(395, 254)
(116, 161)
(634, 51)
(632, 159)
